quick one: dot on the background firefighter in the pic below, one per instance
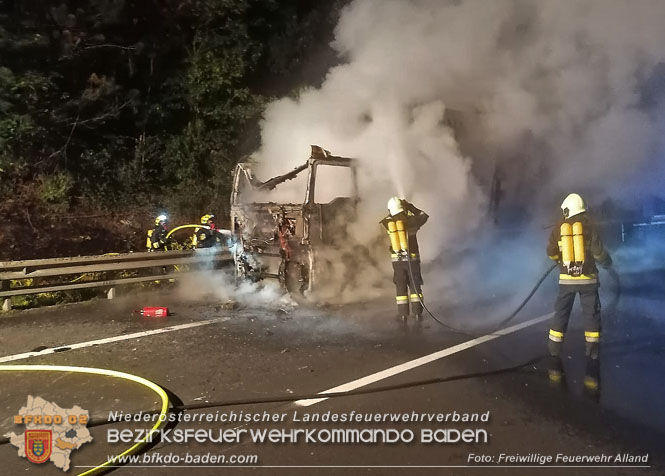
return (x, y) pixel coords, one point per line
(576, 246)
(402, 223)
(157, 240)
(206, 237)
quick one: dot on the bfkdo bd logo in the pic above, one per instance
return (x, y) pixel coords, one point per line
(38, 445)
(51, 433)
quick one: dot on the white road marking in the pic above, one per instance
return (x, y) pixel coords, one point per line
(108, 340)
(361, 382)
(412, 364)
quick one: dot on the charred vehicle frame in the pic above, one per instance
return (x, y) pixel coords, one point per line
(287, 241)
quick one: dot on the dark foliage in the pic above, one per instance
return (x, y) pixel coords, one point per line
(128, 105)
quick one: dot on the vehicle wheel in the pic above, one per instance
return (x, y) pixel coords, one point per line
(295, 278)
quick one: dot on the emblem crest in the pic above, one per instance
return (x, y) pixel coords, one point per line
(38, 445)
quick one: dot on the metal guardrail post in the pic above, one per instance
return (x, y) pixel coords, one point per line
(6, 303)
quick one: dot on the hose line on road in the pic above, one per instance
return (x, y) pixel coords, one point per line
(265, 400)
(528, 298)
(361, 391)
(418, 383)
(286, 398)
(180, 407)
(502, 323)
(611, 271)
(110, 463)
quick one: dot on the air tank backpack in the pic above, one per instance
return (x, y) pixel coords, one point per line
(572, 248)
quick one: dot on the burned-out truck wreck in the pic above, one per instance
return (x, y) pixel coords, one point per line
(290, 241)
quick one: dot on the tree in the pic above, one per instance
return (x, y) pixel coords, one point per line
(144, 104)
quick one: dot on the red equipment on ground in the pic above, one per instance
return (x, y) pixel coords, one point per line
(154, 311)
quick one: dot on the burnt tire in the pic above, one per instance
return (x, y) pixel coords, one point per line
(296, 278)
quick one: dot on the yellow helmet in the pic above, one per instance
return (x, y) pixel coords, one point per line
(395, 206)
(206, 218)
(573, 205)
(161, 219)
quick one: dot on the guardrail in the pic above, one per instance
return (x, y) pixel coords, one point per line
(109, 265)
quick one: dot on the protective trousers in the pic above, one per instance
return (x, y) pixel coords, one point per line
(404, 284)
(590, 301)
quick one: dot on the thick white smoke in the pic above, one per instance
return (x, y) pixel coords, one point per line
(558, 85)
(221, 287)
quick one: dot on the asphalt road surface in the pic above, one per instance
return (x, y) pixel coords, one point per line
(207, 352)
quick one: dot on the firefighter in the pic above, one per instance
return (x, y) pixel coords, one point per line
(403, 222)
(206, 237)
(157, 240)
(577, 247)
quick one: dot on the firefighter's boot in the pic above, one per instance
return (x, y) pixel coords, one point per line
(592, 379)
(555, 372)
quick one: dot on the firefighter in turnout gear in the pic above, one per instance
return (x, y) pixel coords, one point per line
(206, 237)
(402, 223)
(575, 244)
(157, 240)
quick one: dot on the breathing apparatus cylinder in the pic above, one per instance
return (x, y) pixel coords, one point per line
(148, 242)
(578, 242)
(394, 239)
(401, 233)
(567, 250)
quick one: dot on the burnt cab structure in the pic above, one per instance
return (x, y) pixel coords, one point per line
(291, 240)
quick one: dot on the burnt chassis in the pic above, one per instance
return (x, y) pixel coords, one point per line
(288, 241)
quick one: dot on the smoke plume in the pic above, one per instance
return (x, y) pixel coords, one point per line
(558, 96)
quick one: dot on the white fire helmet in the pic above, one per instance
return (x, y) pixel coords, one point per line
(395, 206)
(573, 205)
(161, 219)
